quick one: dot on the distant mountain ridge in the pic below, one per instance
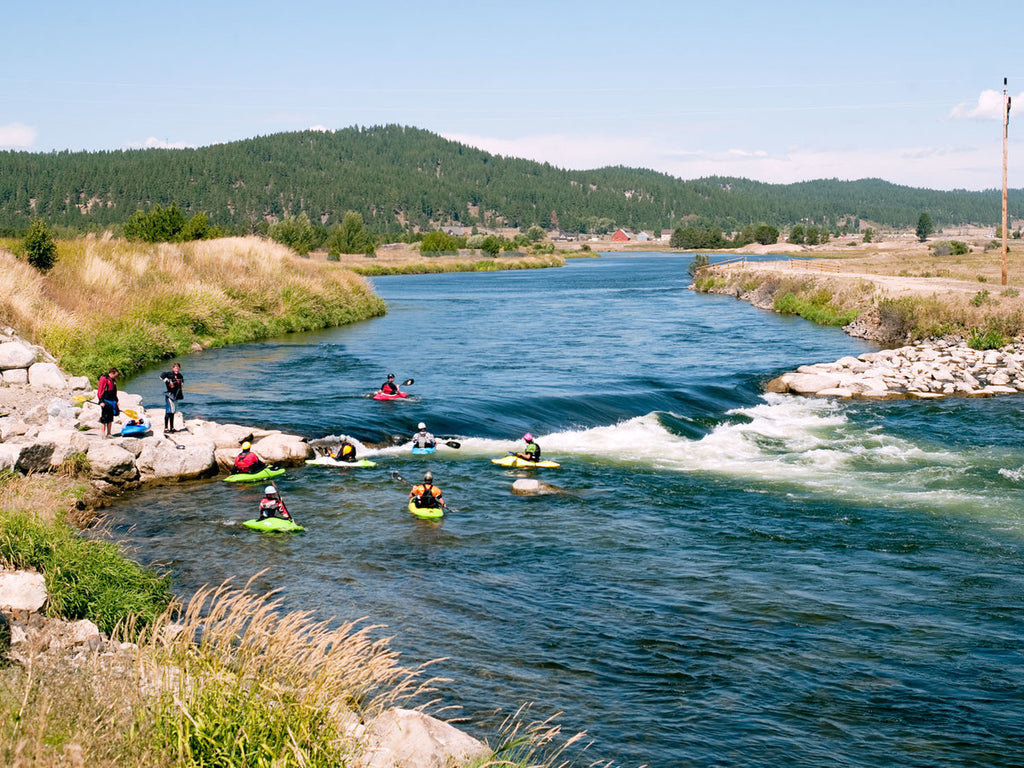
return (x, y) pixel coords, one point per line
(399, 177)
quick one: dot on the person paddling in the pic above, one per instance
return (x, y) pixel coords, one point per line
(532, 451)
(271, 504)
(248, 462)
(423, 439)
(426, 495)
(346, 451)
(389, 387)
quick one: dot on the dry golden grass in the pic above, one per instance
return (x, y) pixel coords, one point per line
(110, 302)
(43, 495)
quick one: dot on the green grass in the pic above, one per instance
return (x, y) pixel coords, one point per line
(817, 308)
(84, 579)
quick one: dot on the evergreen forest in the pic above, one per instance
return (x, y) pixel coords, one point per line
(403, 180)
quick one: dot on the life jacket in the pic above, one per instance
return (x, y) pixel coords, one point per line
(107, 389)
(246, 461)
(425, 497)
(533, 451)
(347, 452)
(423, 440)
(272, 507)
(389, 388)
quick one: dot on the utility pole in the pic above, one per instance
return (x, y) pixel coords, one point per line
(1006, 127)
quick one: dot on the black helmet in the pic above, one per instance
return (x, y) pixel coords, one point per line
(391, 375)
(428, 477)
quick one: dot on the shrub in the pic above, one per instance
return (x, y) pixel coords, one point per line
(40, 250)
(700, 261)
(979, 298)
(990, 338)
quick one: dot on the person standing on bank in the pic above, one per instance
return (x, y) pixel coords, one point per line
(106, 394)
(174, 381)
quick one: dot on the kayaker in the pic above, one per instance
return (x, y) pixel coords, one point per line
(423, 439)
(106, 395)
(271, 504)
(389, 387)
(173, 381)
(426, 495)
(346, 451)
(247, 462)
(532, 451)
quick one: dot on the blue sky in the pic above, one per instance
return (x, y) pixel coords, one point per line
(779, 92)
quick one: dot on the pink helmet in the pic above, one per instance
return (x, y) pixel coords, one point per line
(528, 437)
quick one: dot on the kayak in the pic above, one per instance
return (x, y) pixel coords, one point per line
(135, 429)
(327, 461)
(273, 524)
(417, 451)
(515, 461)
(378, 395)
(426, 513)
(264, 474)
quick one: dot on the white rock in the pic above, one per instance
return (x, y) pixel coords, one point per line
(77, 383)
(16, 376)
(111, 462)
(59, 408)
(809, 383)
(22, 591)
(281, 448)
(46, 375)
(14, 354)
(161, 460)
(403, 738)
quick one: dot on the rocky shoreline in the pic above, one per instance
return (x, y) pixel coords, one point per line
(932, 369)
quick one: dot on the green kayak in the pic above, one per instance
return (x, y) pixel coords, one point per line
(264, 474)
(273, 524)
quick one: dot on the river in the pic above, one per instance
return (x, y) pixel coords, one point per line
(733, 578)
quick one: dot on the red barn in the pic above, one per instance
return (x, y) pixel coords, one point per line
(620, 236)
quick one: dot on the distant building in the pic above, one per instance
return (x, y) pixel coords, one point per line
(454, 231)
(620, 236)
(666, 235)
(643, 237)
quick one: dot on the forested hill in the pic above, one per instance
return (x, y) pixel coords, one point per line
(399, 177)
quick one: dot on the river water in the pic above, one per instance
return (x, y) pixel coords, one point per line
(733, 578)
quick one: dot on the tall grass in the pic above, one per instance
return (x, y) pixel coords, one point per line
(242, 683)
(420, 267)
(109, 302)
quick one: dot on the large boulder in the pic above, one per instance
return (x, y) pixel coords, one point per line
(283, 449)
(25, 455)
(161, 460)
(46, 375)
(61, 409)
(14, 354)
(405, 738)
(66, 443)
(22, 591)
(112, 463)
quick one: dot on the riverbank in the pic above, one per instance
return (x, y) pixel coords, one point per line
(406, 259)
(114, 303)
(956, 336)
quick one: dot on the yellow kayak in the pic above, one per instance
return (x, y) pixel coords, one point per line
(514, 461)
(426, 513)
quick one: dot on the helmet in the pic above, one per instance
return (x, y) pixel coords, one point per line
(270, 490)
(246, 446)
(421, 425)
(428, 477)
(528, 437)
(391, 375)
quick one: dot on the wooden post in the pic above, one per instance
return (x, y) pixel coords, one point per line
(1006, 125)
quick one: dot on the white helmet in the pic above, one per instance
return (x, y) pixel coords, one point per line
(270, 490)
(421, 425)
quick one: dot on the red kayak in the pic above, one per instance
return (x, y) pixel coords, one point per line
(378, 395)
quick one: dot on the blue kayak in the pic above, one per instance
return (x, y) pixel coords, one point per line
(423, 451)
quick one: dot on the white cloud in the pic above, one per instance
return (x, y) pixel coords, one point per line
(320, 128)
(989, 107)
(17, 136)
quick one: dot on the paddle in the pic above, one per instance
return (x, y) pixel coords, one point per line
(176, 445)
(453, 444)
(399, 478)
(82, 400)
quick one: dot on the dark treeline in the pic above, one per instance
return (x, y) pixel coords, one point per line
(401, 178)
